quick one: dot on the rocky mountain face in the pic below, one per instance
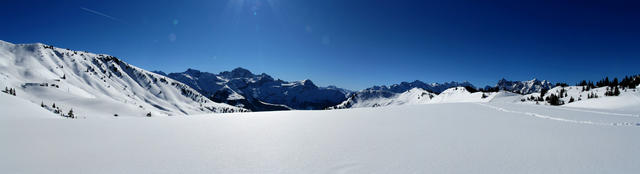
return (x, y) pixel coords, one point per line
(260, 92)
(432, 87)
(523, 87)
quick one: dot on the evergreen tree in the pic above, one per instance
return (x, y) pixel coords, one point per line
(583, 83)
(42, 104)
(70, 114)
(543, 91)
(149, 114)
(571, 100)
(554, 100)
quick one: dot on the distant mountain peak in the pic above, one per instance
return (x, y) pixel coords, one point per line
(307, 82)
(192, 72)
(523, 87)
(238, 72)
(159, 72)
(260, 92)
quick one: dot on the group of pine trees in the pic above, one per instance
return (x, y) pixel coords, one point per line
(615, 91)
(57, 110)
(554, 99)
(9, 91)
(628, 82)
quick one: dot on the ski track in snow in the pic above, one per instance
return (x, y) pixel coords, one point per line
(600, 112)
(562, 119)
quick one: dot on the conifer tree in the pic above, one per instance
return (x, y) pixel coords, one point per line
(70, 114)
(571, 100)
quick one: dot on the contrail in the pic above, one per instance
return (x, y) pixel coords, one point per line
(101, 14)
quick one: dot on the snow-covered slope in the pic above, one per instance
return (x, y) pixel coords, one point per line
(460, 94)
(435, 138)
(416, 92)
(20, 109)
(595, 98)
(376, 98)
(260, 92)
(95, 84)
(628, 100)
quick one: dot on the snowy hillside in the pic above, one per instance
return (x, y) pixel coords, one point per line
(377, 98)
(460, 94)
(416, 92)
(95, 84)
(260, 92)
(595, 98)
(492, 137)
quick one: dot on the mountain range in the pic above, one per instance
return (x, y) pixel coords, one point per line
(260, 92)
(87, 81)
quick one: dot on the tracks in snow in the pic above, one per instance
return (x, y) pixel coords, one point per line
(564, 119)
(600, 112)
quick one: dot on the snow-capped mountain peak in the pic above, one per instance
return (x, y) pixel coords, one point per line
(260, 92)
(523, 87)
(96, 83)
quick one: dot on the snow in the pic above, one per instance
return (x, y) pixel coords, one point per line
(260, 91)
(472, 137)
(377, 98)
(629, 101)
(16, 108)
(94, 84)
(453, 131)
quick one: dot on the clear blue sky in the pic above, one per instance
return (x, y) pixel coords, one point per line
(348, 43)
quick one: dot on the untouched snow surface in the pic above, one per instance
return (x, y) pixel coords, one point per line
(472, 137)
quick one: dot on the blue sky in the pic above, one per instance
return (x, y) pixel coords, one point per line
(349, 43)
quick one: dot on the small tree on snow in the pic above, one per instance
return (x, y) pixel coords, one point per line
(149, 114)
(571, 100)
(70, 114)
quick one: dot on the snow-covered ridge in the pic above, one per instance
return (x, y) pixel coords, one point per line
(96, 83)
(433, 87)
(260, 92)
(627, 99)
(378, 98)
(523, 87)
